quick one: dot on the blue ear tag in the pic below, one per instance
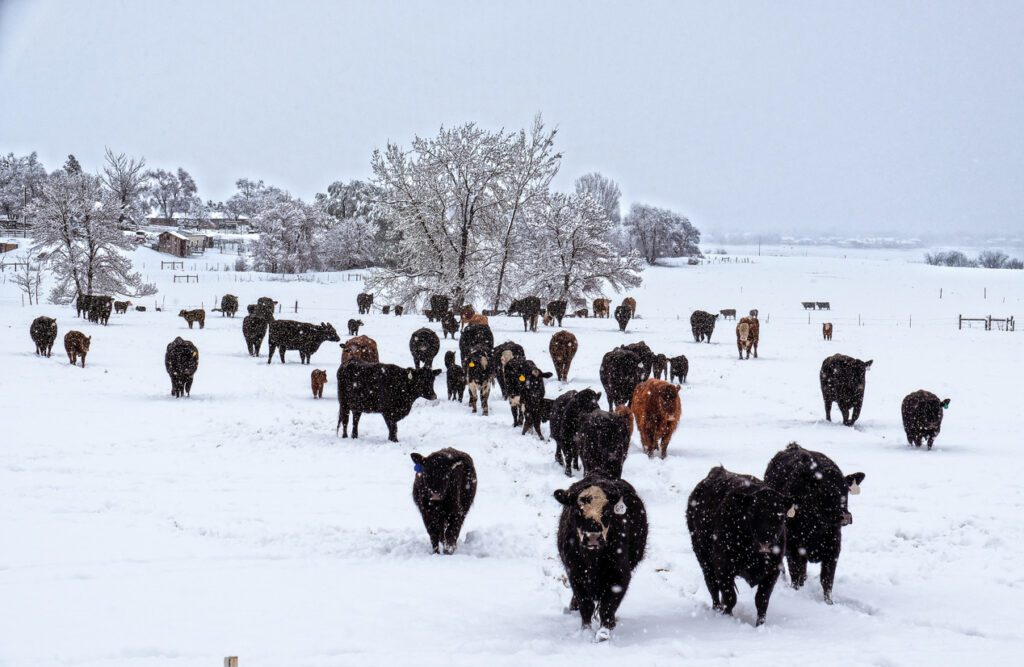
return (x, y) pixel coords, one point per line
(418, 467)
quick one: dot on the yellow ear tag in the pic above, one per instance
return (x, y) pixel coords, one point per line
(522, 378)
(472, 364)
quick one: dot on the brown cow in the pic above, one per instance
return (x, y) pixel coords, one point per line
(317, 379)
(826, 331)
(76, 344)
(466, 314)
(630, 302)
(121, 306)
(477, 319)
(656, 409)
(582, 312)
(602, 307)
(747, 333)
(361, 348)
(193, 316)
(562, 348)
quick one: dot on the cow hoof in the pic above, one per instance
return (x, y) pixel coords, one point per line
(602, 635)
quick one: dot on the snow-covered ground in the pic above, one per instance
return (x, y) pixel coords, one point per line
(142, 530)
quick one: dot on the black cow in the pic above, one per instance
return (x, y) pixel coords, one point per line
(819, 490)
(181, 361)
(842, 381)
(622, 316)
(456, 377)
(647, 357)
(353, 327)
(702, 323)
(439, 304)
(556, 309)
(443, 490)
(475, 337)
(479, 374)
(532, 400)
(602, 535)
(922, 417)
(449, 325)
(228, 305)
(100, 308)
(82, 304)
(254, 328)
(43, 332)
(301, 336)
(602, 441)
(660, 367)
(679, 368)
(517, 372)
(364, 302)
(501, 355)
(424, 346)
(566, 413)
(621, 372)
(529, 309)
(737, 525)
(381, 388)
(264, 308)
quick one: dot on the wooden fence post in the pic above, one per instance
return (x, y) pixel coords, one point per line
(296, 306)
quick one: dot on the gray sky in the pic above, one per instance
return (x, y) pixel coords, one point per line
(764, 116)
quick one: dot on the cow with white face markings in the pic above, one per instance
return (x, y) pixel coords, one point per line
(602, 535)
(444, 489)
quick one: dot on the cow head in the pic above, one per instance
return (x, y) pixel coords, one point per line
(767, 511)
(329, 333)
(588, 400)
(86, 342)
(421, 382)
(592, 510)
(435, 473)
(534, 382)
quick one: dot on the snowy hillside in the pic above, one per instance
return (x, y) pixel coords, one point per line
(143, 530)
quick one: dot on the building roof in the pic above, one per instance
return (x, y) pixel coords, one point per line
(177, 235)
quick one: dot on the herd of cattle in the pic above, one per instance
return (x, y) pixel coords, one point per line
(740, 526)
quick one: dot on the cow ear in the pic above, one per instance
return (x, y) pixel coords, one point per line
(562, 496)
(945, 404)
(546, 375)
(437, 371)
(598, 397)
(867, 364)
(853, 482)
(416, 458)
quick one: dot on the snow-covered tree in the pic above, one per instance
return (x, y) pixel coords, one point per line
(358, 235)
(605, 192)
(289, 233)
(250, 197)
(21, 180)
(28, 275)
(75, 223)
(71, 165)
(171, 193)
(993, 259)
(124, 178)
(658, 232)
(570, 253)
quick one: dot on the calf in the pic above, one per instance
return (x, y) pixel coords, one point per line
(449, 325)
(43, 331)
(556, 310)
(364, 302)
(181, 361)
(360, 348)
(399, 311)
(622, 316)
(254, 328)
(842, 381)
(826, 331)
(466, 313)
(601, 307)
(566, 413)
(819, 490)
(353, 327)
(193, 316)
(529, 309)
(630, 303)
(747, 334)
(228, 305)
(737, 526)
(679, 368)
(479, 373)
(602, 535)
(439, 304)
(516, 372)
(728, 313)
(500, 356)
(581, 312)
(702, 324)
(140, 309)
(381, 388)
(660, 367)
(922, 417)
(456, 377)
(532, 399)
(302, 336)
(317, 379)
(646, 356)
(76, 344)
(424, 346)
(602, 441)
(99, 309)
(385, 310)
(562, 349)
(121, 307)
(656, 408)
(621, 372)
(476, 337)
(443, 490)
(264, 308)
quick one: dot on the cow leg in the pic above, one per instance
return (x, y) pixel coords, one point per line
(485, 395)
(558, 453)
(392, 429)
(472, 396)
(355, 423)
(828, 577)
(856, 413)
(282, 351)
(716, 601)
(71, 357)
(611, 600)
(452, 531)
(797, 568)
(270, 356)
(931, 438)
(188, 387)
(664, 445)
(83, 366)
(586, 612)
(755, 350)
(727, 587)
(342, 421)
(763, 595)
(828, 410)
(846, 415)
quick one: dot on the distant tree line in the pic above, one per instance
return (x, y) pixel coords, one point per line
(988, 259)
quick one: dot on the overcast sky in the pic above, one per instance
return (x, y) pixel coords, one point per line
(764, 116)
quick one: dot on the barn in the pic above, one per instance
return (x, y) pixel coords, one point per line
(174, 243)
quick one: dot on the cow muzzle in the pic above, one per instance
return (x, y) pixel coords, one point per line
(591, 539)
(846, 520)
(436, 497)
(768, 548)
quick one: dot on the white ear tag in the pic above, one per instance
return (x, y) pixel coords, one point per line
(791, 512)
(620, 507)
(410, 375)
(855, 489)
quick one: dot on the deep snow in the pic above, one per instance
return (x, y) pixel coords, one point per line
(143, 530)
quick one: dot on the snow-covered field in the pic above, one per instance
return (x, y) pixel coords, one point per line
(142, 530)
